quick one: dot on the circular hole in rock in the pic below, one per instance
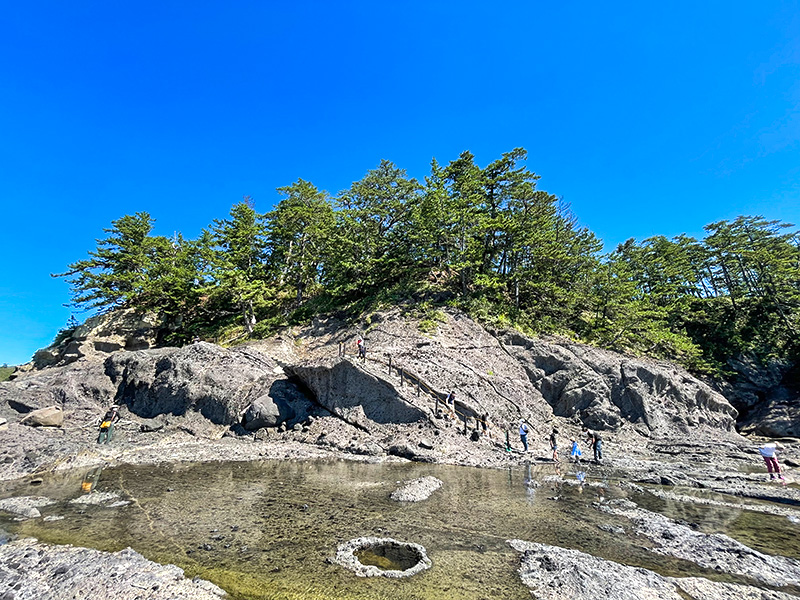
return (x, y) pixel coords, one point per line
(389, 556)
(382, 557)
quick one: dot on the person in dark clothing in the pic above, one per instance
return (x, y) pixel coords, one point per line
(107, 425)
(596, 442)
(554, 444)
(362, 349)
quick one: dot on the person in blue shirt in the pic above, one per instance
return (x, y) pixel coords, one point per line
(575, 453)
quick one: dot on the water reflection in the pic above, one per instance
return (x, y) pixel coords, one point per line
(251, 527)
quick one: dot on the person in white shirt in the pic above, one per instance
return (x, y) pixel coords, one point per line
(769, 452)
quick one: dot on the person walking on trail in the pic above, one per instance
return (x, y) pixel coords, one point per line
(362, 349)
(575, 453)
(107, 425)
(769, 452)
(523, 434)
(554, 444)
(450, 403)
(595, 443)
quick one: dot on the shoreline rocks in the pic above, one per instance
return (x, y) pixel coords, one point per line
(416, 490)
(30, 570)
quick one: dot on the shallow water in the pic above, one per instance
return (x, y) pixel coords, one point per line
(266, 530)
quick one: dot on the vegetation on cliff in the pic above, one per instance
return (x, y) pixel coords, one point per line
(482, 238)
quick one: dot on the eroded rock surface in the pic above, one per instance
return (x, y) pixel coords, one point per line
(416, 490)
(713, 551)
(605, 389)
(202, 377)
(30, 570)
(554, 573)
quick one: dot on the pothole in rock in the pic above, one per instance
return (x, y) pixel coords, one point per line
(382, 557)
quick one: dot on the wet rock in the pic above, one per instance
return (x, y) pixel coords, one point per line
(95, 498)
(554, 573)
(26, 507)
(64, 573)
(346, 557)
(713, 551)
(416, 490)
(698, 587)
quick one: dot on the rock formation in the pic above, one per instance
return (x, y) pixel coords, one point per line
(605, 389)
(31, 571)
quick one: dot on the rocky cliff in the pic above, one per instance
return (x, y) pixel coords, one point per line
(309, 381)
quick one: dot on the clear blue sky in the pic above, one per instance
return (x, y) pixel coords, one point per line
(649, 118)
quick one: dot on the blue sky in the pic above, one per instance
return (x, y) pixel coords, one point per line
(649, 118)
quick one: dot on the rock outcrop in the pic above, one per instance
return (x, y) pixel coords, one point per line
(766, 395)
(604, 389)
(217, 383)
(30, 570)
(554, 573)
(101, 335)
(354, 394)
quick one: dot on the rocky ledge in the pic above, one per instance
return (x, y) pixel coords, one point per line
(30, 570)
(554, 573)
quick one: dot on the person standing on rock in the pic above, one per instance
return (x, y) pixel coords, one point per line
(575, 453)
(769, 452)
(362, 349)
(554, 444)
(596, 443)
(107, 425)
(523, 434)
(450, 403)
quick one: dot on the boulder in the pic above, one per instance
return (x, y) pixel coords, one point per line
(25, 507)
(51, 416)
(266, 412)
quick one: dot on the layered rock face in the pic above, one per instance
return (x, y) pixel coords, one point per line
(510, 377)
(605, 389)
(499, 377)
(101, 335)
(219, 384)
(767, 396)
(354, 394)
